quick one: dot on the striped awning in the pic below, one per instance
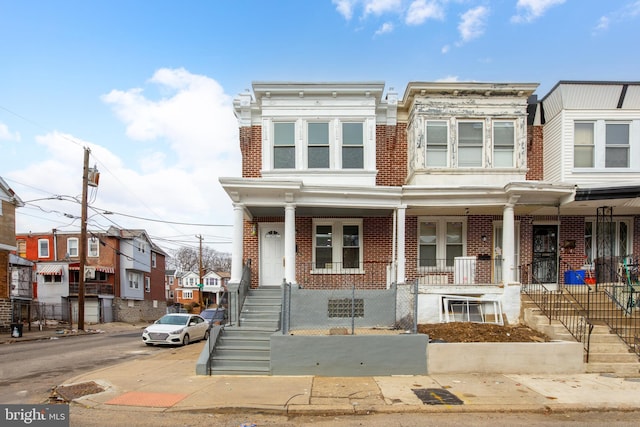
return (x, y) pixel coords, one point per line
(102, 268)
(50, 269)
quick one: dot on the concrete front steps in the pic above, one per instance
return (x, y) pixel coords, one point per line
(245, 349)
(607, 352)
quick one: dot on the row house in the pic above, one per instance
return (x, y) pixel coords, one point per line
(11, 280)
(462, 187)
(123, 272)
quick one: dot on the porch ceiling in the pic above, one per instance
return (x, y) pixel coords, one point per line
(318, 211)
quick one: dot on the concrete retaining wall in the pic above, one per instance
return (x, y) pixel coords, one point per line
(562, 357)
(349, 355)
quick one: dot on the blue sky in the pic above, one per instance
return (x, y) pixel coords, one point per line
(148, 85)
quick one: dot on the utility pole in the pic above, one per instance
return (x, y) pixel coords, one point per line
(200, 283)
(82, 247)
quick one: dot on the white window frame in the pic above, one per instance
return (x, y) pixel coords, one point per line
(70, 247)
(42, 245)
(93, 247)
(592, 145)
(337, 245)
(187, 294)
(134, 280)
(500, 148)
(344, 146)
(626, 146)
(147, 284)
(309, 144)
(480, 121)
(153, 260)
(442, 123)
(289, 146)
(441, 241)
(600, 143)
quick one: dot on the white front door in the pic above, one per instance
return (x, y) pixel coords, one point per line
(271, 254)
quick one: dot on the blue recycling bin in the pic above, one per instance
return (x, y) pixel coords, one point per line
(574, 277)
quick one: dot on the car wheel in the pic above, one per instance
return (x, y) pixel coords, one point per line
(185, 340)
(206, 335)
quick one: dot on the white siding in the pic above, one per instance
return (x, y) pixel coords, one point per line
(553, 149)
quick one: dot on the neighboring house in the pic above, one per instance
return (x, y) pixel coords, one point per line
(591, 134)
(124, 274)
(170, 285)
(213, 288)
(188, 292)
(9, 201)
(447, 186)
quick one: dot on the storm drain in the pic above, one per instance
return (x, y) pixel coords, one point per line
(436, 396)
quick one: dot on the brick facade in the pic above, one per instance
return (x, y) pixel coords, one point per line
(535, 154)
(391, 155)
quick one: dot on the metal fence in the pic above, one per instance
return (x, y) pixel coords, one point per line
(349, 310)
(34, 314)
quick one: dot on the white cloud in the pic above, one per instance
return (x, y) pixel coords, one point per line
(6, 135)
(421, 10)
(174, 180)
(345, 8)
(448, 79)
(196, 120)
(445, 48)
(378, 7)
(473, 23)
(627, 12)
(387, 27)
(530, 10)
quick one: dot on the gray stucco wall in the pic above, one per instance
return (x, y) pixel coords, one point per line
(349, 355)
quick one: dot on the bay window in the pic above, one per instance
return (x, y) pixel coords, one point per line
(470, 144)
(318, 145)
(352, 146)
(583, 145)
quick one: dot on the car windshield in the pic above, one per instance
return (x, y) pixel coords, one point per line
(173, 320)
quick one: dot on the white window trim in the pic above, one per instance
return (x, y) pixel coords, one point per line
(153, 260)
(40, 254)
(134, 280)
(77, 248)
(630, 232)
(336, 255)
(147, 284)
(187, 294)
(513, 146)
(447, 126)
(441, 240)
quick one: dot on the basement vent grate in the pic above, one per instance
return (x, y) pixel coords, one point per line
(436, 396)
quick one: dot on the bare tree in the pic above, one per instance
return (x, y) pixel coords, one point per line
(188, 259)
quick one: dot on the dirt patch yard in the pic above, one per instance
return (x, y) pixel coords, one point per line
(480, 332)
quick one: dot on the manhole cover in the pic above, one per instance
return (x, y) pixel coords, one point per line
(74, 391)
(436, 396)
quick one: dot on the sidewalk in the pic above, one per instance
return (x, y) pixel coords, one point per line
(166, 381)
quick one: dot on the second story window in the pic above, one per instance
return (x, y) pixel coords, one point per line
(93, 247)
(318, 142)
(22, 248)
(352, 146)
(147, 284)
(617, 145)
(43, 248)
(436, 142)
(583, 145)
(284, 146)
(503, 144)
(153, 260)
(72, 247)
(470, 144)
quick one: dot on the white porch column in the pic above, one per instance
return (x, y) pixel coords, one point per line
(290, 243)
(508, 241)
(237, 245)
(401, 260)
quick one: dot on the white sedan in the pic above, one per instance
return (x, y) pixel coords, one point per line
(176, 328)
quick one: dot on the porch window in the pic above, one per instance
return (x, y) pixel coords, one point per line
(318, 145)
(52, 278)
(352, 146)
(583, 145)
(337, 245)
(72, 247)
(134, 280)
(503, 144)
(617, 231)
(441, 240)
(470, 144)
(437, 137)
(284, 146)
(187, 294)
(617, 145)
